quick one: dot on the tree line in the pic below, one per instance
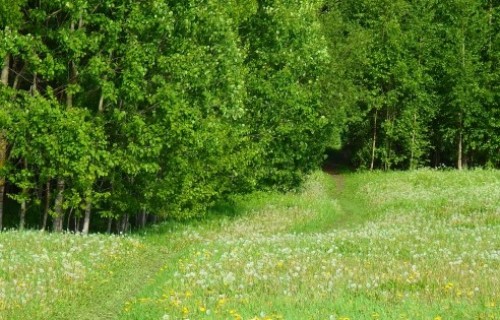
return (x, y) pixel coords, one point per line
(129, 111)
(417, 82)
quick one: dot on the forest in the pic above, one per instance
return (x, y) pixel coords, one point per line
(119, 113)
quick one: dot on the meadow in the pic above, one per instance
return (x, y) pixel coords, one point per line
(402, 245)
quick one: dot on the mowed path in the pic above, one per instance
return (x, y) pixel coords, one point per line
(108, 299)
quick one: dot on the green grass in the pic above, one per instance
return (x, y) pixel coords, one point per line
(412, 245)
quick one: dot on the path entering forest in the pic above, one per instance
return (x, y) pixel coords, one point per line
(333, 170)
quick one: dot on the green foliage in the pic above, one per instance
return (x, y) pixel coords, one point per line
(414, 79)
(287, 58)
(160, 107)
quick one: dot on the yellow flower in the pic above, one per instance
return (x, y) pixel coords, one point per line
(221, 302)
(185, 310)
(448, 286)
(438, 318)
(490, 304)
(202, 308)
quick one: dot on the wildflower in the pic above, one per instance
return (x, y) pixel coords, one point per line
(185, 310)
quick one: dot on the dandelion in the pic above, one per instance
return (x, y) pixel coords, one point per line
(185, 310)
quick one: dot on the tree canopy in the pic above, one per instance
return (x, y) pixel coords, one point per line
(134, 109)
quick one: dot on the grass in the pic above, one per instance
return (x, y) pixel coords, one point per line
(413, 245)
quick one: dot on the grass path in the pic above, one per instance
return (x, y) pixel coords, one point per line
(143, 271)
(106, 301)
(106, 298)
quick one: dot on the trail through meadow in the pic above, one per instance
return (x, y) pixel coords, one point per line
(416, 245)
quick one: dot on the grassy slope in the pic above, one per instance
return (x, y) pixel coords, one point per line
(418, 245)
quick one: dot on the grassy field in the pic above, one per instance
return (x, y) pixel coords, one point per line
(412, 245)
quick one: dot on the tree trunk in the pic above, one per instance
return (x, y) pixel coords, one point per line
(143, 219)
(460, 151)
(460, 114)
(22, 214)
(413, 136)
(19, 73)
(24, 193)
(100, 107)
(124, 224)
(72, 74)
(2, 191)
(68, 221)
(47, 206)
(110, 225)
(3, 143)
(374, 143)
(460, 144)
(58, 207)
(5, 70)
(86, 221)
(34, 88)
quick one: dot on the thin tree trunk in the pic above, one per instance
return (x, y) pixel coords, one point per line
(460, 114)
(387, 141)
(5, 70)
(143, 219)
(19, 73)
(47, 206)
(72, 75)
(68, 221)
(124, 224)
(374, 143)
(58, 207)
(101, 103)
(3, 143)
(22, 214)
(100, 107)
(413, 137)
(2, 191)
(86, 219)
(460, 144)
(34, 88)
(110, 224)
(24, 193)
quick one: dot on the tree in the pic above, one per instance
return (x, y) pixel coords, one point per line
(286, 120)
